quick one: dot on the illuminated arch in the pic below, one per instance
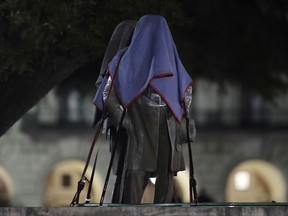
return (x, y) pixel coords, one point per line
(62, 180)
(265, 177)
(5, 187)
(181, 185)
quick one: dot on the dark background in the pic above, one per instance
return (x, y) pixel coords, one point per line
(44, 44)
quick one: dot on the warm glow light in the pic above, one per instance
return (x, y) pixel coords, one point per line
(153, 180)
(242, 180)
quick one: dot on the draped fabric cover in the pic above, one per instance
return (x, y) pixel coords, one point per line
(151, 59)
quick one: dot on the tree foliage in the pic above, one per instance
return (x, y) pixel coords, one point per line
(39, 34)
(44, 42)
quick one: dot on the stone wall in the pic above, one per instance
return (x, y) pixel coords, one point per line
(150, 210)
(29, 158)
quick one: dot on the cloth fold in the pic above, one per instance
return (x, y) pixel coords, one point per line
(151, 59)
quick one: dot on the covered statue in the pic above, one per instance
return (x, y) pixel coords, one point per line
(146, 94)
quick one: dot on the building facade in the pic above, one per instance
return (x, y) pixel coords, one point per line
(239, 153)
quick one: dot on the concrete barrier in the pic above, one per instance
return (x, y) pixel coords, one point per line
(211, 209)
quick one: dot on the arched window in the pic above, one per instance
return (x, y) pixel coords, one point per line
(5, 188)
(255, 181)
(62, 180)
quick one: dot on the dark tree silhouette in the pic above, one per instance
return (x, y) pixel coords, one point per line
(43, 42)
